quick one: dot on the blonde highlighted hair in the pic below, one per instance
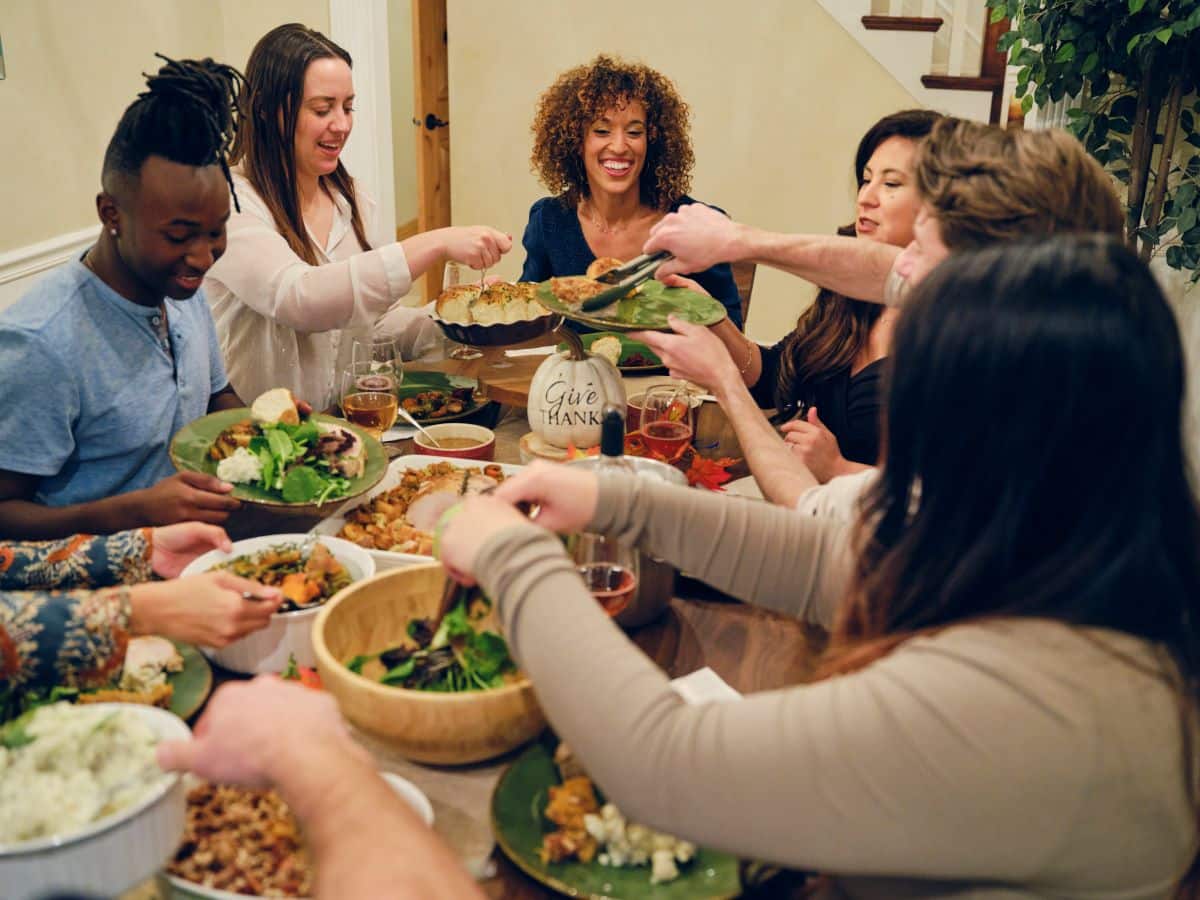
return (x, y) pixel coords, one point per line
(987, 185)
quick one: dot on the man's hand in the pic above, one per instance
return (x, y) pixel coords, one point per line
(184, 497)
(698, 236)
(694, 354)
(172, 547)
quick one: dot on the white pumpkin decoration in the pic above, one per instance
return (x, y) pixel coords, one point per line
(569, 392)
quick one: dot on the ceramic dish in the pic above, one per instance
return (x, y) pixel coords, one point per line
(646, 310)
(386, 559)
(192, 684)
(189, 452)
(416, 382)
(629, 348)
(172, 887)
(113, 854)
(518, 824)
(289, 633)
(500, 335)
(483, 447)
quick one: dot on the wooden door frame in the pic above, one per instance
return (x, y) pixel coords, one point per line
(431, 122)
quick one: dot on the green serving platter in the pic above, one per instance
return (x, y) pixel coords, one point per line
(192, 684)
(189, 452)
(646, 310)
(518, 824)
(628, 348)
(417, 381)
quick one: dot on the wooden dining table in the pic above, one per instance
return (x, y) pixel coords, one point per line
(751, 648)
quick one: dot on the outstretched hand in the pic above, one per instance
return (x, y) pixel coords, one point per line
(694, 354)
(698, 236)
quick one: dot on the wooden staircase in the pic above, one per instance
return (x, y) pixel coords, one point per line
(942, 51)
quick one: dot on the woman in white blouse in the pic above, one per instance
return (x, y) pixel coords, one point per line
(300, 277)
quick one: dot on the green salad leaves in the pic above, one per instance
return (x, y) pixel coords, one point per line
(455, 657)
(290, 467)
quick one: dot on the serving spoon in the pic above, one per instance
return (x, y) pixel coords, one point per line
(417, 425)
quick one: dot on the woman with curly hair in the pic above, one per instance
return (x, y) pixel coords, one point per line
(612, 144)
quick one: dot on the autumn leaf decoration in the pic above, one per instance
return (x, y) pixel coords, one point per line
(700, 471)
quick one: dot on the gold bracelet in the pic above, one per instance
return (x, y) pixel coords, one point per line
(749, 355)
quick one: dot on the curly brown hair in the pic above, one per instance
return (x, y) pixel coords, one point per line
(580, 96)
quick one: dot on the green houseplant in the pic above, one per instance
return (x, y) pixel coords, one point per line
(1129, 69)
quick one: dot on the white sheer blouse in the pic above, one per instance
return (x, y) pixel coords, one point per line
(285, 323)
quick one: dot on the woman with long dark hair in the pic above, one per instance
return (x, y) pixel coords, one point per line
(307, 268)
(1011, 692)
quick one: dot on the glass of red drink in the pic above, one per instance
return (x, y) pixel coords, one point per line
(668, 421)
(609, 570)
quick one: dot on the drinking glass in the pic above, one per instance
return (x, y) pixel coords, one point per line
(452, 275)
(668, 420)
(371, 396)
(381, 351)
(609, 569)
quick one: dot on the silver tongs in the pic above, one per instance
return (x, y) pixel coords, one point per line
(624, 279)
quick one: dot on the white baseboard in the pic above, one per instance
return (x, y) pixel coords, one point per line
(21, 267)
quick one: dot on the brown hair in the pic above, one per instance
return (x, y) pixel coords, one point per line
(987, 184)
(831, 333)
(270, 99)
(580, 96)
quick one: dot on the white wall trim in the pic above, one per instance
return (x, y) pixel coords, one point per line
(20, 267)
(33, 259)
(361, 26)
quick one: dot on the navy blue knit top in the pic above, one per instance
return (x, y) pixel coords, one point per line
(555, 245)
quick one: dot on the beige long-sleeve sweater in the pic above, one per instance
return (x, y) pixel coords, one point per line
(1020, 758)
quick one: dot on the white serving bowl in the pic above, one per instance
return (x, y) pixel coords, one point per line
(289, 633)
(113, 854)
(172, 887)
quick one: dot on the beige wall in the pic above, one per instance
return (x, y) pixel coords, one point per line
(780, 95)
(404, 137)
(74, 65)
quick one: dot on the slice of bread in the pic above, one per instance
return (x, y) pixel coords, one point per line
(276, 406)
(489, 307)
(602, 265)
(453, 304)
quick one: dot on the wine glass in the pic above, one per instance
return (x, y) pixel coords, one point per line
(371, 396)
(452, 275)
(668, 420)
(382, 351)
(609, 569)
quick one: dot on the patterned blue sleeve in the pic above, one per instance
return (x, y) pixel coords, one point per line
(41, 401)
(70, 638)
(76, 562)
(537, 259)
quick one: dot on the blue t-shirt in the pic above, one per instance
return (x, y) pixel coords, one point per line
(555, 245)
(91, 397)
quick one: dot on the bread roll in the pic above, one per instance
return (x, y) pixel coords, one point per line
(602, 265)
(277, 405)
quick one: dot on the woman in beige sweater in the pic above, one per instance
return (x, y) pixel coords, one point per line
(1014, 619)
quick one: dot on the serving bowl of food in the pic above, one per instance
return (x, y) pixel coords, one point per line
(309, 571)
(447, 696)
(278, 457)
(493, 316)
(456, 440)
(86, 809)
(394, 521)
(240, 842)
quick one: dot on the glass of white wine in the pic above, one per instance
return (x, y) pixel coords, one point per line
(370, 397)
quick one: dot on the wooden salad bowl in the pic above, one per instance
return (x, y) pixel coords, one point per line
(430, 727)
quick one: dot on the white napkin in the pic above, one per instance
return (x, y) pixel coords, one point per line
(704, 686)
(398, 433)
(531, 351)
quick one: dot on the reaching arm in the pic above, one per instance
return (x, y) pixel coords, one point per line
(80, 561)
(699, 237)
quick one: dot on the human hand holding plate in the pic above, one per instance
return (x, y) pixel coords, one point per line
(172, 547)
(694, 354)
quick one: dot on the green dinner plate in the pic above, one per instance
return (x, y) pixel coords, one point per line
(416, 382)
(518, 824)
(628, 347)
(192, 684)
(189, 452)
(647, 310)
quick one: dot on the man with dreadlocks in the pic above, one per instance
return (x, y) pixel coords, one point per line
(107, 357)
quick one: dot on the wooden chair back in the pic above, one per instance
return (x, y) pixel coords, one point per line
(743, 277)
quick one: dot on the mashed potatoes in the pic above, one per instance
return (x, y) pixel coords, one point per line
(60, 781)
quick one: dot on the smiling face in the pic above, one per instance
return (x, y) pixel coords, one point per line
(926, 249)
(614, 149)
(325, 117)
(888, 200)
(171, 225)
